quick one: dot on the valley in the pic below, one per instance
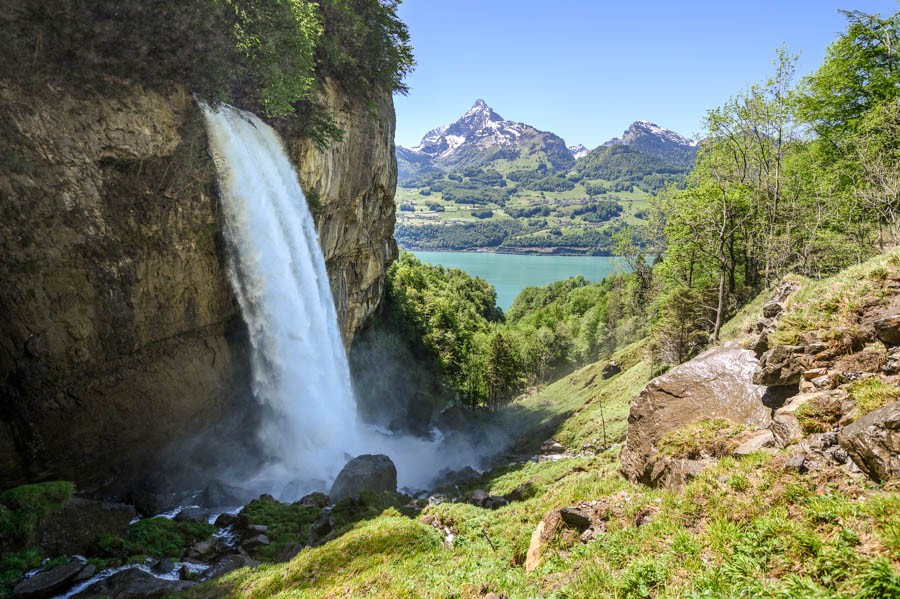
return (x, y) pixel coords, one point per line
(485, 183)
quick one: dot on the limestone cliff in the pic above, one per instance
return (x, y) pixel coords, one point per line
(119, 335)
(350, 187)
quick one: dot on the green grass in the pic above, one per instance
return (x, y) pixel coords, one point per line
(838, 302)
(744, 527)
(154, 537)
(703, 438)
(819, 414)
(871, 394)
(288, 525)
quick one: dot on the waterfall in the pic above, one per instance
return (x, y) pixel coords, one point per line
(299, 367)
(277, 270)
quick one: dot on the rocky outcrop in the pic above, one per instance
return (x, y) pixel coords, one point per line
(873, 442)
(119, 333)
(75, 528)
(117, 323)
(350, 189)
(134, 584)
(375, 473)
(715, 384)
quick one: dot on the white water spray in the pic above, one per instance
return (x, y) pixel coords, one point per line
(299, 366)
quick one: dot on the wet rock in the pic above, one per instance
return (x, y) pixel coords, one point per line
(873, 442)
(755, 441)
(257, 529)
(368, 472)
(224, 520)
(49, 583)
(610, 370)
(205, 549)
(133, 584)
(226, 564)
(218, 494)
(163, 566)
(192, 514)
(887, 329)
(73, 529)
(449, 478)
(318, 500)
(86, 573)
(780, 366)
(715, 384)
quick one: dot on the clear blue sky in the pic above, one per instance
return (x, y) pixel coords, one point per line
(585, 69)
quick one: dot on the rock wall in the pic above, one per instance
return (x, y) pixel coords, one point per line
(350, 188)
(119, 334)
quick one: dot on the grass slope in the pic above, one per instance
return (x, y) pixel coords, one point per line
(745, 527)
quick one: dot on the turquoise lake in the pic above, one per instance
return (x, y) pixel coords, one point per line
(510, 273)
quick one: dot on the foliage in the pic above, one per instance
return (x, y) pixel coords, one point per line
(268, 55)
(155, 537)
(23, 508)
(14, 565)
(288, 525)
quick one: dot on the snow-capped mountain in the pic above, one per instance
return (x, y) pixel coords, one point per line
(481, 136)
(659, 142)
(578, 151)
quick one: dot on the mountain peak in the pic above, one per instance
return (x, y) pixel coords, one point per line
(641, 129)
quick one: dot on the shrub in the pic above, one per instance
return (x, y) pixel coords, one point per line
(819, 414)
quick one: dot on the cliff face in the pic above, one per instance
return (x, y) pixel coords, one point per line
(350, 187)
(119, 334)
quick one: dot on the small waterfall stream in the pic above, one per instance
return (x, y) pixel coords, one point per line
(299, 367)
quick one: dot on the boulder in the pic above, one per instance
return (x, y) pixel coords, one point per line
(133, 584)
(226, 564)
(715, 384)
(563, 526)
(318, 500)
(368, 472)
(873, 442)
(218, 494)
(73, 529)
(49, 583)
(772, 309)
(610, 370)
(192, 514)
(780, 366)
(888, 329)
(755, 441)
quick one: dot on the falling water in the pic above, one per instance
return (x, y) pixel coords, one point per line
(278, 273)
(300, 371)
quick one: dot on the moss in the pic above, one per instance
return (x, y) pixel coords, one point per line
(872, 393)
(288, 525)
(702, 438)
(154, 537)
(22, 509)
(13, 566)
